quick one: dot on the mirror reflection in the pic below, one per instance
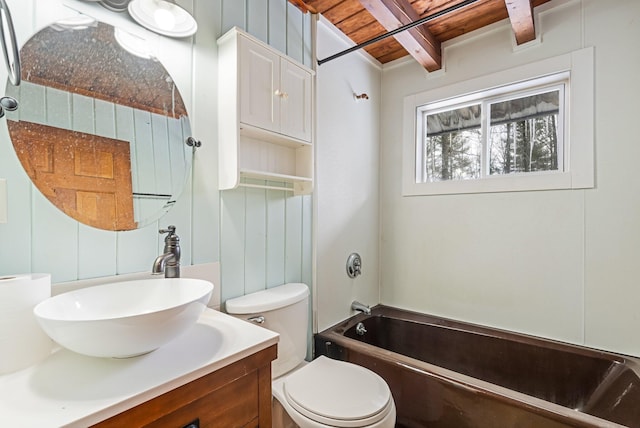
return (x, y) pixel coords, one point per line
(101, 127)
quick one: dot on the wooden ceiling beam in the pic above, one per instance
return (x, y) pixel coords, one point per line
(418, 41)
(304, 7)
(521, 17)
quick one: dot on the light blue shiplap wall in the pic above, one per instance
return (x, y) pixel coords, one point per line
(265, 240)
(275, 22)
(261, 237)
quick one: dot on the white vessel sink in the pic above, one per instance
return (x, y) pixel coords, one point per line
(123, 319)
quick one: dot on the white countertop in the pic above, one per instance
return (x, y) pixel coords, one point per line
(72, 390)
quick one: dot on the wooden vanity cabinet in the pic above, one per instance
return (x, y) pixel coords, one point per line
(238, 395)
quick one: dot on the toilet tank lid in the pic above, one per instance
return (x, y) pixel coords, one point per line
(269, 299)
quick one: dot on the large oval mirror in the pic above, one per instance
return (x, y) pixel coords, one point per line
(101, 126)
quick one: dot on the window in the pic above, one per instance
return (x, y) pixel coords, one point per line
(525, 134)
(451, 144)
(507, 133)
(504, 137)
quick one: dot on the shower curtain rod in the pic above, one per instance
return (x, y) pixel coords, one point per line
(399, 30)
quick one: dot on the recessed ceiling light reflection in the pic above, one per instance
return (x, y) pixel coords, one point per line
(163, 17)
(133, 44)
(77, 22)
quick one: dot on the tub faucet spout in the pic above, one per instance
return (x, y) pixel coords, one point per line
(361, 307)
(168, 262)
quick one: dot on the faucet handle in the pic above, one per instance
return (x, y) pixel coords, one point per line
(171, 230)
(171, 234)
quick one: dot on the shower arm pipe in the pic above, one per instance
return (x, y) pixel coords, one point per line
(12, 68)
(405, 27)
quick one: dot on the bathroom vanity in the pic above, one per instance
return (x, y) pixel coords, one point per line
(217, 373)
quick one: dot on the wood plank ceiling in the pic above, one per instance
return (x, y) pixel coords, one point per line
(362, 20)
(89, 61)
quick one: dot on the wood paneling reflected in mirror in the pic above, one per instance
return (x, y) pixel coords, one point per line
(100, 130)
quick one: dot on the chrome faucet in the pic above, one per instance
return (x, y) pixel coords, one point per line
(169, 261)
(357, 306)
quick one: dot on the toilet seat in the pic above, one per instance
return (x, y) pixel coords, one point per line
(337, 393)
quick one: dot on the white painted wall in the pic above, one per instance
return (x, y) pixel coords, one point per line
(346, 191)
(555, 263)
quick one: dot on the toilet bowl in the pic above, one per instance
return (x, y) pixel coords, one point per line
(330, 393)
(321, 393)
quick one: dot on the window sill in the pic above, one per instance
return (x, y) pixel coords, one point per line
(515, 183)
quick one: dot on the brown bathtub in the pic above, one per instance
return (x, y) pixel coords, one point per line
(445, 373)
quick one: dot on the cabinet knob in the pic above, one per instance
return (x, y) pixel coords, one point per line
(281, 94)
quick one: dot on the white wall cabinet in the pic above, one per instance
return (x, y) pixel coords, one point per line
(265, 115)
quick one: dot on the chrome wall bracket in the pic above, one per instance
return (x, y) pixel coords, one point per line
(10, 51)
(7, 104)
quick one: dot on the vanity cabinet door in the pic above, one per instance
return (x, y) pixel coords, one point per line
(233, 405)
(238, 395)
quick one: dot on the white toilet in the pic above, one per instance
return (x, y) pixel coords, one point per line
(324, 392)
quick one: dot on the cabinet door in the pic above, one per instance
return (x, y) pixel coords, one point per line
(259, 86)
(296, 105)
(238, 395)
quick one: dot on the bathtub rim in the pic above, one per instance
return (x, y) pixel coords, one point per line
(437, 320)
(556, 412)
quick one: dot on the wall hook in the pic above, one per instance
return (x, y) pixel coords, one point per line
(192, 142)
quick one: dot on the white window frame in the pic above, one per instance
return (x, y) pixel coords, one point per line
(435, 108)
(555, 82)
(575, 68)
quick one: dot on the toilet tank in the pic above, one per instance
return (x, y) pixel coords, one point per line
(285, 309)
